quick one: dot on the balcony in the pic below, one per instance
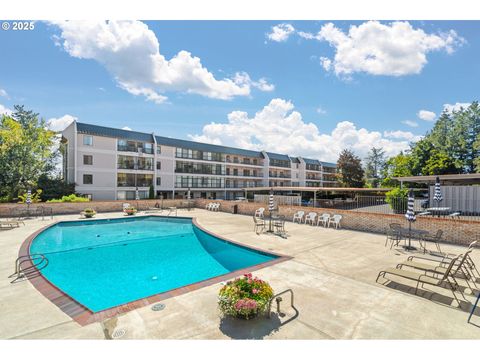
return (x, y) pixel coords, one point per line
(135, 149)
(257, 175)
(133, 166)
(244, 162)
(279, 176)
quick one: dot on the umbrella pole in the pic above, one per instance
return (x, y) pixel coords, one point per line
(409, 234)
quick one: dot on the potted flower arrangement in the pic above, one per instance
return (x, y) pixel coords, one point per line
(244, 297)
(130, 210)
(89, 213)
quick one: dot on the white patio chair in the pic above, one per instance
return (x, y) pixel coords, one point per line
(259, 213)
(298, 216)
(335, 219)
(208, 206)
(125, 205)
(216, 207)
(310, 218)
(324, 219)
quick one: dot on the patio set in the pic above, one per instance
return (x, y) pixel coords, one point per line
(276, 222)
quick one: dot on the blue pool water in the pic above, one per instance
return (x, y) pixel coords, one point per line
(106, 263)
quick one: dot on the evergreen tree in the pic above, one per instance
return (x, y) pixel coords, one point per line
(349, 166)
(374, 167)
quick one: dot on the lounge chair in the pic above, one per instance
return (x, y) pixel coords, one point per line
(335, 220)
(11, 223)
(298, 216)
(208, 206)
(215, 207)
(454, 215)
(427, 280)
(258, 223)
(461, 269)
(310, 218)
(324, 219)
(444, 261)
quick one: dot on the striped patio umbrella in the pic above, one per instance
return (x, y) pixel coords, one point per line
(29, 197)
(271, 208)
(271, 202)
(438, 193)
(410, 216)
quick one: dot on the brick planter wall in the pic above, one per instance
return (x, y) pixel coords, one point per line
(454, 231)
(6, 210)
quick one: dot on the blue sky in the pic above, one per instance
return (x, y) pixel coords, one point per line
(313, 92)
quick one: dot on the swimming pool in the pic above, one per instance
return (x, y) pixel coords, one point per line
(106, 263)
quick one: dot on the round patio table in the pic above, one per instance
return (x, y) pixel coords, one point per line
(412, 232)
(439, 211)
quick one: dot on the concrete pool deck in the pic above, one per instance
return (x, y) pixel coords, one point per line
(332, 274)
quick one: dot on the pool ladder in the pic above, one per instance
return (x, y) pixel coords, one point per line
(22, 272)
(279, 300)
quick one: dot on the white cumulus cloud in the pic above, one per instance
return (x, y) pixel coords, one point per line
(279, 128)
(280, 32)
(130, 51)
(393, 49)
(126, 128)
(4, 110)
(455, 107)
(426, 115)
(59, 124)
(410, 123)
(399, 134)
(4, 93)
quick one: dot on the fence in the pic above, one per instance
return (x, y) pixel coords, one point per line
(460, 231)
(466, 209)
(294, 200)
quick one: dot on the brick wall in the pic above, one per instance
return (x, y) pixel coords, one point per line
(454, 231)
(8, 210)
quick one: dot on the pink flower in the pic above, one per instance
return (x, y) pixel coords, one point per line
(255, 291)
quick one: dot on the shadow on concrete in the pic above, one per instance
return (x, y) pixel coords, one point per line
(257, 328)
(465, 306)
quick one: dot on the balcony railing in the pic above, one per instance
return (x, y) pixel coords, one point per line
(243, 162)
(245, 175)
(280, 176)
(133, 166)
(134, 149)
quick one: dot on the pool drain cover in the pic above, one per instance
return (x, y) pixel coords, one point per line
(118, 333)
(158, 307)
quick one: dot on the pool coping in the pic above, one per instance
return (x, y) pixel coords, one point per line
(84, 316)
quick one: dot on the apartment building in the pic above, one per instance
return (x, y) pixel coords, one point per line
(107, 164)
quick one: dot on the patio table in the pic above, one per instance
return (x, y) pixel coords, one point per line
(412, 233)
(439, 211)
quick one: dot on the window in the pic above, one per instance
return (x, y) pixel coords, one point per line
(159, 165)
(159, 149)
(159, 181)
(87, 160)
(88, 140)
(87, 179)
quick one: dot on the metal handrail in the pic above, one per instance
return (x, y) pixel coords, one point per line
(276, 296)
(22, 272)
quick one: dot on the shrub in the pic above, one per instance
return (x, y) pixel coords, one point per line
(69, 198)
(130, 210)
(244, 297)
(54, 188)
(397, 198)
(35, 197)
(89, 213)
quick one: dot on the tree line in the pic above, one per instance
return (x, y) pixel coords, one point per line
(452, 146)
